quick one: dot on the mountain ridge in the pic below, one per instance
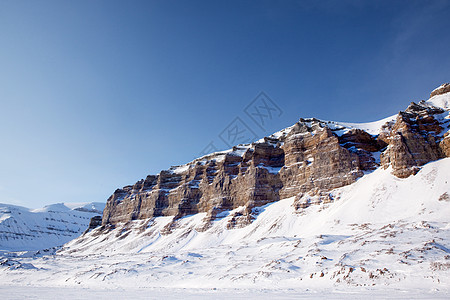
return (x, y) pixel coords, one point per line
(381, 230)
(357, 207)
(25, 229)
(311, 156)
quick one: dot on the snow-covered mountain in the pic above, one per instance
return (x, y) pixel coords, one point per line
(381, 230)
(24, 229)
(320, 205)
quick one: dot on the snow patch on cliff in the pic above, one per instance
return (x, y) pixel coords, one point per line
(372, 128)
(442, 101)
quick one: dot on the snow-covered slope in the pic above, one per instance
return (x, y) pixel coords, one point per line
(33, 229)
(381, 231)
(377, 199)
(442, 101)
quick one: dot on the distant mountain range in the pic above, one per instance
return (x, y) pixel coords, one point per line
(54, 225)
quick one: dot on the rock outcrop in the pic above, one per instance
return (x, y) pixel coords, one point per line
(414, 139)
(444, 88)
(95, 222)
(445, 145)
(306, 161)
(309, 157)
(315, 159)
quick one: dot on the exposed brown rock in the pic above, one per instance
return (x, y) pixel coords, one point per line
(412, 140)
(445, 145)
(94, 223)
(309, 157)
(445, 88)
(314, 159)
(307, 162)
(221, 182)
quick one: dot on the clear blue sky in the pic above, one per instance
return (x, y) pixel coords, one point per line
(97, 94)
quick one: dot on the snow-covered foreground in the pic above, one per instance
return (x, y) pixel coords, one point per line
(382, 236)
(21, 292)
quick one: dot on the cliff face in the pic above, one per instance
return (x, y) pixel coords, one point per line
(308, 157)
(414, 139)
(306, 160)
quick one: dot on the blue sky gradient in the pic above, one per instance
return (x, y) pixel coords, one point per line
(97, 94)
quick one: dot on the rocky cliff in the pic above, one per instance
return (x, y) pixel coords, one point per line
(414, 139)
(306, 160)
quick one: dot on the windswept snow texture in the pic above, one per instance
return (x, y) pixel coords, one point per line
(381, 233)
(442, 101)
(54, 225)
(372, 128)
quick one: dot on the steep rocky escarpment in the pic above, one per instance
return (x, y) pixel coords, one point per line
(414, 139)
(317, 159)
(307, 160)
(245, 175)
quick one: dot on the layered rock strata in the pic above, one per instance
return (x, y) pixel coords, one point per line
(414, 139)
(306, 160)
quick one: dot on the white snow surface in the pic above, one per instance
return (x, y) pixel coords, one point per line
(372, 128)
(24, 229)
(442, 101)
(381, 237)
(34, 292)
